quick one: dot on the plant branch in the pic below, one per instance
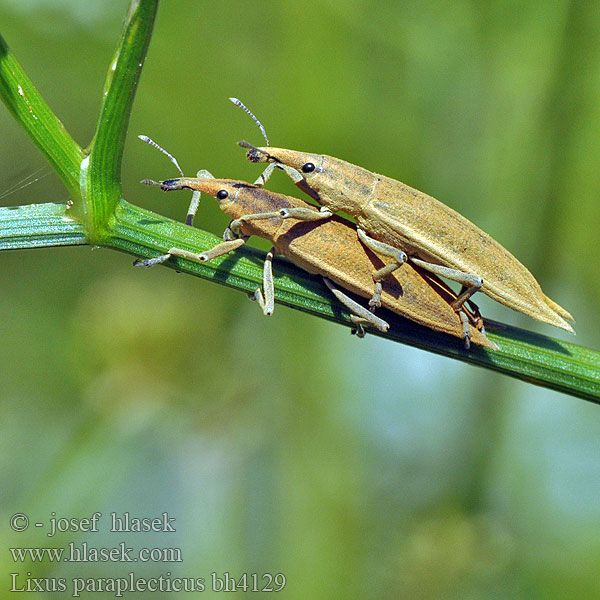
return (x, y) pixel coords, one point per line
(103, 175)
(33, 114)
(39, 225)
(94, 184)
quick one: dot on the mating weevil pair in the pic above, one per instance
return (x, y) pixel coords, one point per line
(328, 247)
(406, 224)
(394, 221)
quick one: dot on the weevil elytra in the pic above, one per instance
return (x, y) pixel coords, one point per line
(328, 247)
(406, 224)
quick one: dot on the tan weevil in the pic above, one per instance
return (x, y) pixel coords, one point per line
(406, 224)
(328, 247)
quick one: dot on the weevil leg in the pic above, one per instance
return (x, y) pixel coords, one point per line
(466, 333)
(305, 214)
(193, 209)
(268, 286)
(264, 176)
(469, 291)
(360, 315)
(266, 302)
(474, 313)
(292, 173)
(471, 283)
(257, 296)
(387, 250)
(301, 214)
(150, 262)
(195, 203)
(218, 250)
(358, 330)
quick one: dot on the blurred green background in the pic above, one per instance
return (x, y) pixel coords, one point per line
(359, 469)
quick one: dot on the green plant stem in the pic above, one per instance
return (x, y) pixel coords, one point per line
(103, 176)
(39, 225)
(43, 127)
(525, 355)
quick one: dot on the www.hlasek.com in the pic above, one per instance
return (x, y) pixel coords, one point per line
(217, 582)
(85, 553)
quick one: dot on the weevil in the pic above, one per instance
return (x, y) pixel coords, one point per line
(328, 247)
(408, 225)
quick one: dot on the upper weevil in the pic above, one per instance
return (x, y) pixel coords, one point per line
(406, 224)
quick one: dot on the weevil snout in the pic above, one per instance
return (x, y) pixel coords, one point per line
(171, 184)
(167, 185)
(181, 183)
(257, 155)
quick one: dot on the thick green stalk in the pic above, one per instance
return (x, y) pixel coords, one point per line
(523, 354)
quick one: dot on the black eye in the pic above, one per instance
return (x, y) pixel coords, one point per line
(222, 194)
(308, 168)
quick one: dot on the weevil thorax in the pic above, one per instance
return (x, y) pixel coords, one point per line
(342, 185)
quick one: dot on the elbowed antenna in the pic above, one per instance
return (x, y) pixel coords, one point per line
(146, 139)
(241, 105)
(175, 184)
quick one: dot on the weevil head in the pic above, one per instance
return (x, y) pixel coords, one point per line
(168, 185)
(223, 190)
(235, 198)
(306, 163)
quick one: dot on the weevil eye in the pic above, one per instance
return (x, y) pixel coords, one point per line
(222, 194)
(308, 168)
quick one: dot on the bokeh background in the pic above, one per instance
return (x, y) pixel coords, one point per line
(359, 469)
